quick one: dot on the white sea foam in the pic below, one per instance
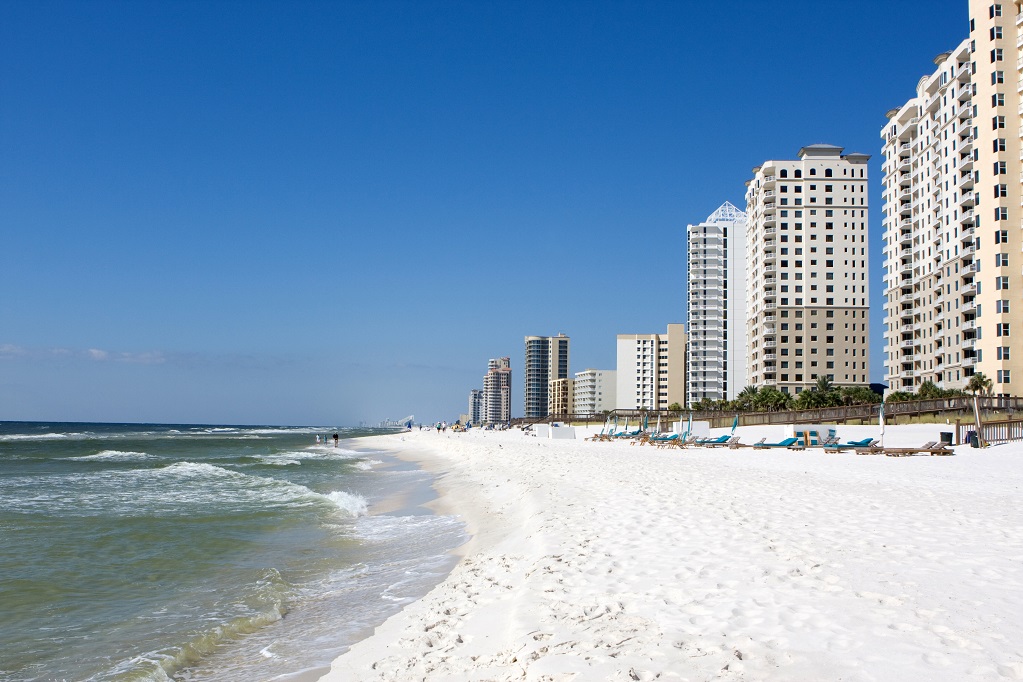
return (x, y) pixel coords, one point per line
(353, 505)
(367, 464)
(114, 456)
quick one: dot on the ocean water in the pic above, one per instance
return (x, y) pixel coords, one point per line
(154, 552)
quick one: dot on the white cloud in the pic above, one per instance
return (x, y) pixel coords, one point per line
(97, 354)
(9, 350)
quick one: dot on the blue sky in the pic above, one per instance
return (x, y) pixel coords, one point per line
(322, 213)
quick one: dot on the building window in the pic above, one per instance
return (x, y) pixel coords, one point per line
(1002, 283)
(998, 100)
(1001, 259)
(994, 11)
(1003, 376)
(1002, 329)
(1002, 306)
(996, 32)
(1002, 237)
(997, 122)
(1001, 191)
(1000, 168)
(1001, 213)
(997, 77)
(1003, 352)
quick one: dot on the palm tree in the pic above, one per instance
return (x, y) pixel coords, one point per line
(979, 383)
(824, 384)
(746, 398)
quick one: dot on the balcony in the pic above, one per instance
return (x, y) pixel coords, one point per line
(969, 289)
(969, 305)
(965, 181)
(968, 325)
(969, 361)
(969, 343)
(770, 343)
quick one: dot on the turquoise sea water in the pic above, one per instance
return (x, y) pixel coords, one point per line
(134, 552)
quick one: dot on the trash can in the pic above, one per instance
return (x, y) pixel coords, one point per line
(971, 438)
(946, 437)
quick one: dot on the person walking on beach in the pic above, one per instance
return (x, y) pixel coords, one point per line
(335, 439)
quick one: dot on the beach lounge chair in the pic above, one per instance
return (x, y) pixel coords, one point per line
(663, 438)
(711, 441)
(930, 448)
(792, 443)
(680, 442)
(729, 442)
(851, 445)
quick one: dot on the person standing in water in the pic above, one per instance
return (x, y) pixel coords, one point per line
(335, 439)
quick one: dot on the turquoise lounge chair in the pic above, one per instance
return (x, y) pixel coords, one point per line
(712, 441)
(787, 443)
(865, 443)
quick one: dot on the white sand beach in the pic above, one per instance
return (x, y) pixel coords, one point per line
(605, 561)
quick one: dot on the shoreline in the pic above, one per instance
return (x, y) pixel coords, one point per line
(606, 561)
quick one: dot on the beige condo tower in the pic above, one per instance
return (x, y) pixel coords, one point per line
(952, 177)
(807, 287)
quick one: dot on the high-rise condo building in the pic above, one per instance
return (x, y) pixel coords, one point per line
(475, 413)
(807, 289)
(559, 399)
(497, 392)
(594, 391)
(546, 359)
(716, 259)
(651, 370)
(952, 193)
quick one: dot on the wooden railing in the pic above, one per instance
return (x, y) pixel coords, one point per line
(992, 431)
(825, 415)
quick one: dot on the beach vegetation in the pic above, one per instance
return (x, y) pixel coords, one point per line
(928, 391)
(979, 383)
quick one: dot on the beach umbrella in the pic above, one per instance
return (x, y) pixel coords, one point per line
(735, 424)
(880, 419)
(658, 429)
(646, 421)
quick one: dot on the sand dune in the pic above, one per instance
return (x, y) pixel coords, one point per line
(601, 561)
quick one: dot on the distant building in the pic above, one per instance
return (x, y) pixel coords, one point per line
(559, 399)
(807, 292)
(546, 359)
(651, 370)
(716, 258)
(593, 391)
(476, 406)
(497, 392)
